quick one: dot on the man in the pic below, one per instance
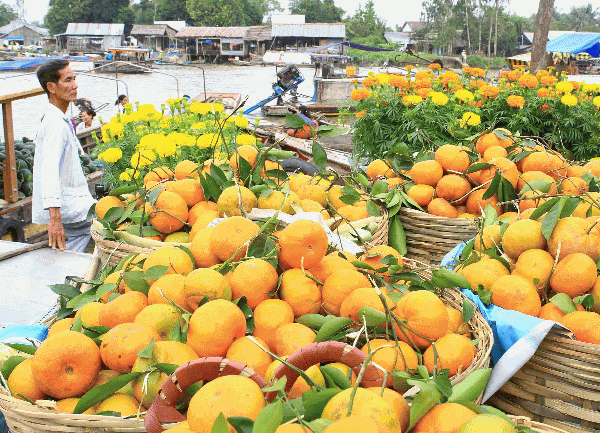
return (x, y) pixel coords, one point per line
(61, 197)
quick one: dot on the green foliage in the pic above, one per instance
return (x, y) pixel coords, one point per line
(7, 14)
(62, 12)
(317, 11)
(224, 13)
(365, 27)
(486, 62)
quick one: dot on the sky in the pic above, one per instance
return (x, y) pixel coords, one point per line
(393, 11)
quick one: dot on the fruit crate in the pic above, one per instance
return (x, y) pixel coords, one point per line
(559, 385)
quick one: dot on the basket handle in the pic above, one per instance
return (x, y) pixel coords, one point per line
(163, 409)
(328, 351)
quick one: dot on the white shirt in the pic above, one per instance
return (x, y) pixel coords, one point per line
(81, 126)
(58, 179)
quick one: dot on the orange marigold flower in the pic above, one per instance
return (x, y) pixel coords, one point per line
(478, 72)
(409, 67)
(361, 114)
(542, 73)
(575, 84)
(489, 92)
(450, 77)
(368, 82)
(548, 80)
(543, 92)
(504, 74)
(528, 80)
(466, 70)
(545, 107)
(423, 92)
(360, 94)
(397, 81)
(434, 66)
(479, 104)
(423, 83)
(422, 75)
(515, 101)
(512, 75)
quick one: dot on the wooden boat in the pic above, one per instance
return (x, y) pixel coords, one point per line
(230, 101)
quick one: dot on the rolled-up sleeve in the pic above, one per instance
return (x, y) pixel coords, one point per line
(53, 141)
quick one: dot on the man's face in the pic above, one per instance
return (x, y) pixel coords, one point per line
(66, 87)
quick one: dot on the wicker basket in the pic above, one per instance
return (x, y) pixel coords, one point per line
(380, 235)
(113, 251)
(521, 421)
(430, 237)
(559, 385)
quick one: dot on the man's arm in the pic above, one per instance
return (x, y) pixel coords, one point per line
(56, 231)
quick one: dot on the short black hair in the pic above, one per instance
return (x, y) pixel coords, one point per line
(49, 72)
(120, 99)
(89, 111)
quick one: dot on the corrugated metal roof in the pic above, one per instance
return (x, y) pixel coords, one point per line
(94, 29)
(258, 33)
(14, 25)
(152, 30)
(397, 36)
(310, 30)
(212, 32)
(552, 34)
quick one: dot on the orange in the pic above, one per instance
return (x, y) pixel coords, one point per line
(401, 357)
(300, 292)
(231, 236)
(572, 235)
(227, 395)
(453, 187)
(421, 194)
(202, 222)
(313, 192)
(122, 309)
(397, 403)
(186, 169)
(66, 365)
(343, 254)
(205, 283)
(90, 314)
(214, 326)
(593, 167)
(177, 260)
(574, 186)
(444, 418)
(269, 315)
(494, 152)
(426, 172)
(299, 180)
(506, 167)
(328, 266)
(256, 279)
(529, 176)
(248, 153)
(585, 325)
(123, 404)
(356, 424)
(534, 264)
(484, 273)
(169, 213)
(574, 275)
(308, 205)
(551, 312)
(454, 352)
(489, 237)
(339, 285)
(106, 203)
(353, 213)
(157, 174)
(374, 256)
(491, 139)
(22, 384)
(456, 323)
(531, 200)
(293, 428)
(200, 249)
(513, 292)
(160, 317)
(171, 287)
(303, 244)
(452, 158)
(199, 208)
(235, 198)
(425, 314)
(277, 200)
(545, 162)
(476, 204)
(521, 236)
(441, 207)
(122, 343)
(67, 405)
(245, 351)
(291, 337)
(362, 297)
(189, 190)
(379, 167)
(61, 326)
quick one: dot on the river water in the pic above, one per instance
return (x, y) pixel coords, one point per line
(154, 88)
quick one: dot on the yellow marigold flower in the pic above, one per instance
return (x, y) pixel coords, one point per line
(105, 138)
(116, 129)
(470, 119)
(209, 140)
(150, 141)
(588, 88)
(142, 158)
(422, 75)
(240, 121)
(464, 95)
(125, 176)
(200, 107)
(181, 139)
(596, 101)
(543, 92)
(198, 126)
(564, 87)
(382, 78)
(397, 81)
(368, 82)
(515, 101)
(112, 154)
(438, 98)
(412, 100)
(569, 100)
(360, 94)
(528, 80)
(165, 147)
(361, 114)
(245, 140)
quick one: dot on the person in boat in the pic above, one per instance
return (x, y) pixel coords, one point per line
(120, 103)
(61, 197)
(88, 116)
(310, 125)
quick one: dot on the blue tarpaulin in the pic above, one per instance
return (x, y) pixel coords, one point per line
(348, 44)
(19, 65)
(576, 43)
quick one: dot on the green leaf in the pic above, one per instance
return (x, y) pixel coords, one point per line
(543, 208)
(77, 324)
(424, 401)
(373, 209)
(155, 272)
(146, 352)
(147, 231)
(379, 187)
(314, 321)
(338, 377)
(99, 393)
(277, 386)
(508, 191)
(153, 195)
(552, 217)
(564, 303)
(587, 301)
(10, 364)
(537, 185)
(423, 371)
(79, 301)
(444, 385)
(262, 247)
(397, 236)
(319, 156)
(277, 174)
(485, 296)
(292, 409)
(319, 425)
(218, 175)
(314, 402)
(135, 281)
(471, 387)
(493, 186)
(241, 424)
(66, 290)
(128, 211)
(570, 206)
(294, 121)
(210, 187)
(167, 369)
(120, 190)
(468, 309)
(331, 328)
(331, 130)
(478, 166)
(109, 413)
(220, 425)
(242, 304)
(372, 316)
(269, 418)
(349, 195)
(244, 168)
(113, 214)
(446, 278)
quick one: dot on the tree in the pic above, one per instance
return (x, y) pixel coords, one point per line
(225, 12)
(172, 10)
(62, 12)
(317, 11)
(7, 14)
(539, 59)
(365, 26)
(143, 12)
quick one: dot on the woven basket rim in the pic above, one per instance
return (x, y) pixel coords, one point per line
(424, 216)
(538, 426)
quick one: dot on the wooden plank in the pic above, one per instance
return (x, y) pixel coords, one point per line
(21, 95)
(11, 192)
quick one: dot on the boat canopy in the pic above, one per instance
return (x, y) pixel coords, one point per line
(348, 44)
(576, 43)
(34, 62)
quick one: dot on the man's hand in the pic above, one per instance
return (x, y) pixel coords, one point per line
(56, 231)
